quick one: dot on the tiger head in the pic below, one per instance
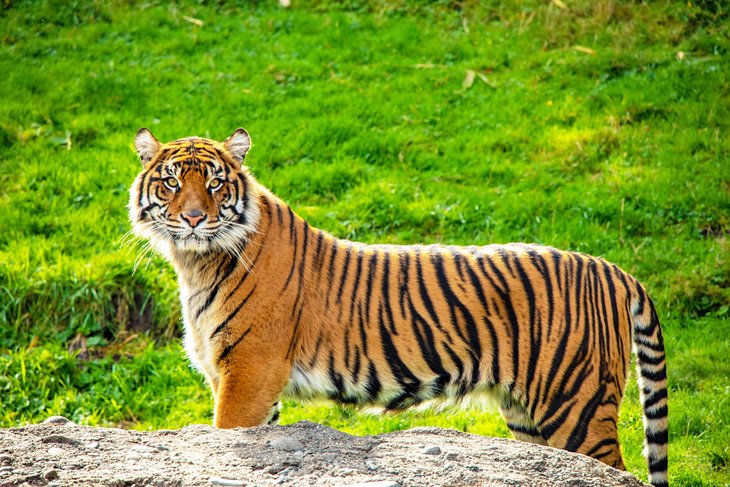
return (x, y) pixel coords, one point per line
(194, 194)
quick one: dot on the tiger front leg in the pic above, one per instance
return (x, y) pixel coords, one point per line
(247, 391)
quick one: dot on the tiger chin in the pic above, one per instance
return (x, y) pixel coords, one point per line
(273, 307)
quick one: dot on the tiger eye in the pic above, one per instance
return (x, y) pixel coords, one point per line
(171, 183)
(215, 184)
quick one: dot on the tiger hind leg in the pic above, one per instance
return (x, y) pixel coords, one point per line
(596, 437)
(520, 423)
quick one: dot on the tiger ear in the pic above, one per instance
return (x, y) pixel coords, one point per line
(146, 144)
(238, 144)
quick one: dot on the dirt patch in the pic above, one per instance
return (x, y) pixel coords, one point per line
(62, 453)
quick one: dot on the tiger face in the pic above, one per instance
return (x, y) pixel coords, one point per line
(193, 194)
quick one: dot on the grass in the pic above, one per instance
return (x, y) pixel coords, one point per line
(601, 127)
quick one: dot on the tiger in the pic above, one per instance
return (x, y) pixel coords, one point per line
(273, 307)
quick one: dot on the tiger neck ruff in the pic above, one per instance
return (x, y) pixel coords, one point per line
(275, 307)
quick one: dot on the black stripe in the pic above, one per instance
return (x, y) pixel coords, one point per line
(232, 264)
(657, 437)
(426, 299)
(603, 443)
(293, 340)
(385, 292)
(535, 326)
(655, 346)
(373, 386)
(225, 322)
(401, 373)
(355, 286)
(343, 277)
(494, 346)
(657, 376)
(525, 430)
(293, 236)
(653, 397)
(658, 413)
(504, 295)
(331, 272)
(245, 275)
(356, 366)
(230, 347)
(658, 466)
(579, 433)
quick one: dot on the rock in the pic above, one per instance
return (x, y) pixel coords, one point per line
(226, 482)
(50, 474)
(6, 469)
(92, 445)
(58, 420)
(263, 456)
(278, 468)
(377, 483)
(431, 450)
(286, 443)
(59, 439)
(144, 449)
(6, 459)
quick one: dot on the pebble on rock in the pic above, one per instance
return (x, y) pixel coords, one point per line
(50, 474)
(377, 483)
(55, 451)
(226, 482)
(287, 444)
(57, 420)
(6, 459)
(92, 445)
(431, 450)
(59, 439)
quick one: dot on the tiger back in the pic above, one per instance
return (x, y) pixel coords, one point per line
(273, 306)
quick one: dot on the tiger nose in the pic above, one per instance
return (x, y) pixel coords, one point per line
(193, 217)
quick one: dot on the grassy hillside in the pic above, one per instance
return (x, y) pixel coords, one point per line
(593, 126)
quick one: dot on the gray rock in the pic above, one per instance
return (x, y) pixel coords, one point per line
(7, 469)
(50, 474)
(55, 451)
(226, 482)
(58, 420)
(431, 450)
(59, 439)
(286, 443)
(377, 483)
(92, 445)
(6, 459)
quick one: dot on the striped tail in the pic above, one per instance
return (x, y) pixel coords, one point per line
(652, 374)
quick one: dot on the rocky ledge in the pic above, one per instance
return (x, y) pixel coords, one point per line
(59, 452)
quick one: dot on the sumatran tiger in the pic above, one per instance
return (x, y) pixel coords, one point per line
(273, 306)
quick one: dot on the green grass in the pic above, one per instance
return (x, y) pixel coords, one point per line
(601, 128)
